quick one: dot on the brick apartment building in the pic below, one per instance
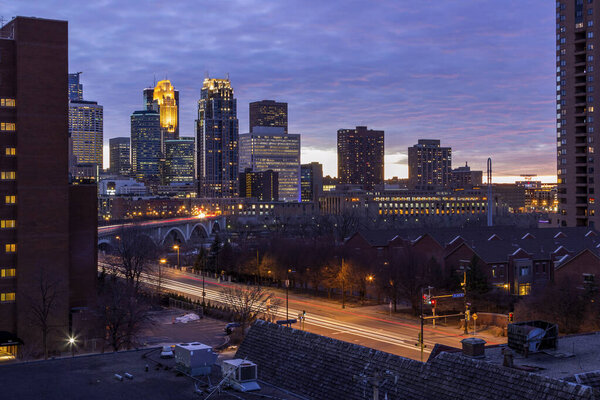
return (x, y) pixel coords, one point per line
(48, 227)
(513, 259)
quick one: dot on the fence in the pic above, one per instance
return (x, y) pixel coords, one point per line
(185, 305)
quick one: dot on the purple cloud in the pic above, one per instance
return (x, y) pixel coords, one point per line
(479, 75)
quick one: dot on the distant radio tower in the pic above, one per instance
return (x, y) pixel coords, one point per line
(489, 195)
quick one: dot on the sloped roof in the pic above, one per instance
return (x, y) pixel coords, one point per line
(318, 367)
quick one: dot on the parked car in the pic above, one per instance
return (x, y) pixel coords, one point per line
(230, 327)
(167, 352)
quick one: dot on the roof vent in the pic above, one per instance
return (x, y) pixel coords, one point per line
(240, 374)
(473, 347)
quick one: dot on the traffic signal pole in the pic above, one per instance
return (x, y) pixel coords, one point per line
(421, 338)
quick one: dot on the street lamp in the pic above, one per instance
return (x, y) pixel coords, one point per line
(71, 340)
(176, 247)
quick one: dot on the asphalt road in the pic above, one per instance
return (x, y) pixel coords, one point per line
(356, 325)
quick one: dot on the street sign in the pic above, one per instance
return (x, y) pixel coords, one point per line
(287, 283)
(286, 321)
(475, 316)
(457, 295)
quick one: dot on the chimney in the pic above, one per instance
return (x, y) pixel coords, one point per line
(508, 357)
(473, 347)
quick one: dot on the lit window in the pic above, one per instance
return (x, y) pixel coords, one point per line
(524, 289)
(8, 223)
(7, 126)
(7, 102)
(7, 297)
(8, 175)
(11, 151)
(10, 199)
(8, 272)
(10, 248)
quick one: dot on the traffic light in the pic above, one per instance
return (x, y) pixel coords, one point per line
(433, 302)
(510, 318)
(426, 299)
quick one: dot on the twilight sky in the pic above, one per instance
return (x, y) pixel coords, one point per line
(477, 74)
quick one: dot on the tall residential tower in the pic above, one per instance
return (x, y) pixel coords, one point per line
(577, 72)
(360, 156)
(429, 165)
(217, 135)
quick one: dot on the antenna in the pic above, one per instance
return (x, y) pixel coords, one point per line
(489, 182)
(154, 85)
(206, 75)
(227, 76)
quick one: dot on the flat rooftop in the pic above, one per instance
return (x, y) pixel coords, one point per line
(575, 354)
(92, 377)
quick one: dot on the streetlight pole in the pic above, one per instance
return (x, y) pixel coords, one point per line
(176, 247)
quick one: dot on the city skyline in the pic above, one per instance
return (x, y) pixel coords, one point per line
(463, 73)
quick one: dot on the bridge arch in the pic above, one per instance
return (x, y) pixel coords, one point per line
(174, 235)
(199, 231)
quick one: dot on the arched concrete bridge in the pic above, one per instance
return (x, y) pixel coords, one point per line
(166, 231)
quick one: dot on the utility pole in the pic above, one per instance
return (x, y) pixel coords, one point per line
(287, 289)
(421, 338)
(343, 274)
(464, 287)
(258, 267)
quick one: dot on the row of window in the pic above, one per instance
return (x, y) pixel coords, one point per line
(8, 175)
(7, 297)
(8, 126)
(8, 272)
(7, 102)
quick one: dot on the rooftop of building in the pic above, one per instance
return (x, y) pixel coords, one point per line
(319, 367)
(93, 377)
(575, 354)
(494, 243)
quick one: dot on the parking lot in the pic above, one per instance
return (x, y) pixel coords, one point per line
(164, 331)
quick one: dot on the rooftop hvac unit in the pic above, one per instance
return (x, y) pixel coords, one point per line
(240, 374)
(532, 336)
(194, 358)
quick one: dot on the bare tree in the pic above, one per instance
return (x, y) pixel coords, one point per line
(122, 312)
(406, 273)
(248, 302)
(134, 251)
(44, 305)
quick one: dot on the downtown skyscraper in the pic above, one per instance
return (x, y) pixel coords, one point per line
(146, 154)
(270, 148)
(217, 135)
(164, 99)
(577, 72)
(86, 121)
(268, 113)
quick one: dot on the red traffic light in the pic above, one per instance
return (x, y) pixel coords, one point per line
(433, 302)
